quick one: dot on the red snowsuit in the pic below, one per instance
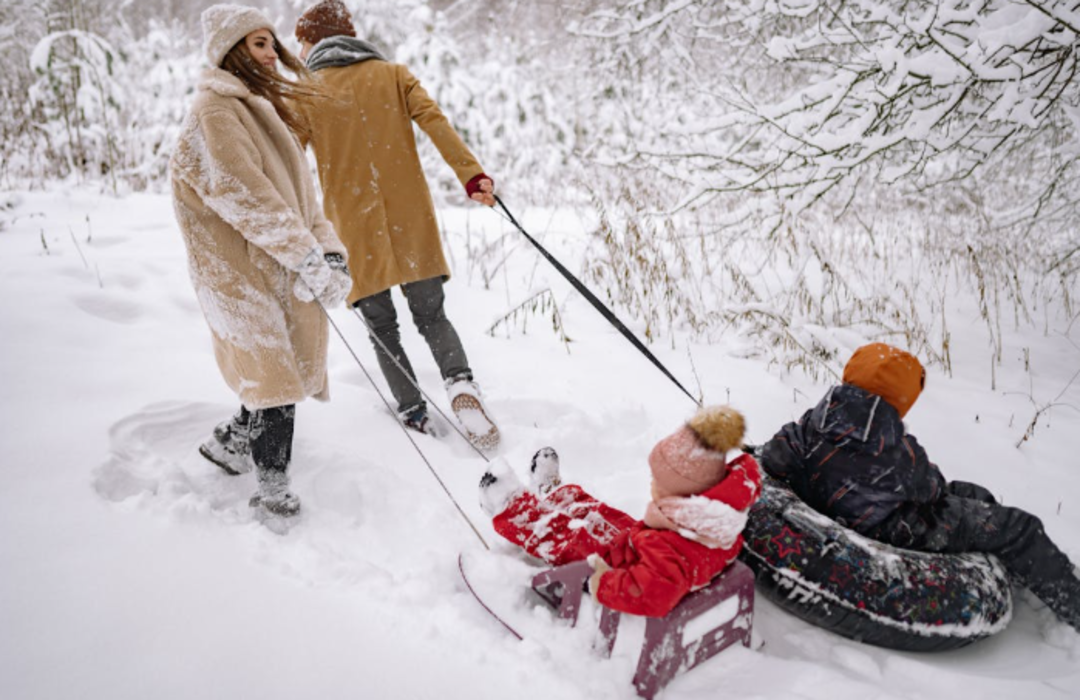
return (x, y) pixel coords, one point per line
(651, 569)
(565, 526)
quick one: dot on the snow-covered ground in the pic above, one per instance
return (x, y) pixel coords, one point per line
(132, 568)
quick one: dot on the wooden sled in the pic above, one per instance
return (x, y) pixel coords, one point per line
(665, 652)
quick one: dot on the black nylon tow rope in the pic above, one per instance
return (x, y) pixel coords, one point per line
(597, 304)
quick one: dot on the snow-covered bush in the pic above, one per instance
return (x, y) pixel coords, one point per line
(164, 64)
(799, 99)
(95, 90)
(842, 165)
(802, 172)
(80, 99)
(23, 148)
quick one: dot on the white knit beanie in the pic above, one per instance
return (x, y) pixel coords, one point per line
(224, 25)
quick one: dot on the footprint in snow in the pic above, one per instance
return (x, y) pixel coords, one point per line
(107, 241)
(154, 461)
(360, 524)
(108, 306)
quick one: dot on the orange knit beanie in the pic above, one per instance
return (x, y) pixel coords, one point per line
(888, 372)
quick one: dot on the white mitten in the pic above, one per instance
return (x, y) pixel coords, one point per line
(340, 284)
(314, 275)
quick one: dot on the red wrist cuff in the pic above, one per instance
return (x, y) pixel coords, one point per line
(473, 186)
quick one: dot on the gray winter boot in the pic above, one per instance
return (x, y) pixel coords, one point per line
(230, 445)
(273, 496)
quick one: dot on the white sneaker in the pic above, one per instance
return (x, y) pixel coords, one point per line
(466, 404)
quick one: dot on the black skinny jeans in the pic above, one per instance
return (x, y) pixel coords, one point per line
(426, 304)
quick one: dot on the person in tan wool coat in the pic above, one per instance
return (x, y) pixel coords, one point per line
(260, 251)
(376, 195)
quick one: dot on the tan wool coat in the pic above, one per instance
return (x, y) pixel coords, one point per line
(245, 202)
(374, 190)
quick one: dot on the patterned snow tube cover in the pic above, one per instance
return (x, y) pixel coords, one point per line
(835, 578)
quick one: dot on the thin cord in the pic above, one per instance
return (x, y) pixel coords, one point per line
(397, 363)
(403, 428)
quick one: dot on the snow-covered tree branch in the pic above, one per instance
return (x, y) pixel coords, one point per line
(821, 94)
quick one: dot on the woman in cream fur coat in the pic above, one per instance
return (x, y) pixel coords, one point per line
(264, 260)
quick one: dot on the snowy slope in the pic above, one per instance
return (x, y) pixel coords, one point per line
(132, 568)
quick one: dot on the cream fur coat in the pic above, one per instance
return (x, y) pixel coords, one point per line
(246, 205)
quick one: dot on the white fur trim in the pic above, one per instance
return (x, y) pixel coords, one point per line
(713, 523)
(224, 83)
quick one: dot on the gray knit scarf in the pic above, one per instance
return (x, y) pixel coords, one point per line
(339, 51)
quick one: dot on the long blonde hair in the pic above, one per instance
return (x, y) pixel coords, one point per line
(274, 87)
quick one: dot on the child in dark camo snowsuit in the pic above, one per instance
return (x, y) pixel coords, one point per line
(849, 458)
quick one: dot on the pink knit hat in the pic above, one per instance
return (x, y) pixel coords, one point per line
(694, 458)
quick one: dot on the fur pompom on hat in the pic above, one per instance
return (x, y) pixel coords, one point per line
(224, 25)
(325, 19)
(888, 372)
(694, 458)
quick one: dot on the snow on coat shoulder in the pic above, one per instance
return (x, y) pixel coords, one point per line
(717, 516)
(713, 523)
(245, 202)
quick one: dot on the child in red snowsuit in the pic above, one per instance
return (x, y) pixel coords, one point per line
(691, 530)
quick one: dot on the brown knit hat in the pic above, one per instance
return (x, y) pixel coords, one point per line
(693, 458)
(325, 19)
(888, 372)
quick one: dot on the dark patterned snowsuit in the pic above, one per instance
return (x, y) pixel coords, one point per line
(849, 458)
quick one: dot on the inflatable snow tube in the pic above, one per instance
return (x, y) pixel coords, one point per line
(837, 579)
